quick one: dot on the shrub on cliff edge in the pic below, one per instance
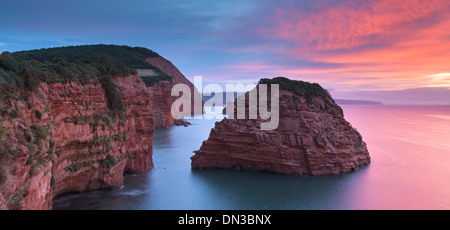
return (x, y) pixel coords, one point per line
(39, 131)
(306, 89)
(22, 72)
(113, 97)
(3, 130)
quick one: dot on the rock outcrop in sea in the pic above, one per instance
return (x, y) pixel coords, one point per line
(312, 138)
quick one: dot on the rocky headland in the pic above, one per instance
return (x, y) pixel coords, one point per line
(75, 119)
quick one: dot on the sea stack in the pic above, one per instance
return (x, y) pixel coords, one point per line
(312, 137)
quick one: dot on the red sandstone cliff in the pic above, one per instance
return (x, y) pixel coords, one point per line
(73, 143)
(161, 103)
(312, 138)
(2, 202)
(85, 131)
(168, 68)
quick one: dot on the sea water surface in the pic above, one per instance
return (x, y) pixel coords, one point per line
(410, 169)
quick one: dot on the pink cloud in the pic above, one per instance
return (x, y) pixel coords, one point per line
(352, 23)
(391, 43)
(251, 67)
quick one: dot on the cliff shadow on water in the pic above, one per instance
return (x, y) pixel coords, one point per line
(242, 189)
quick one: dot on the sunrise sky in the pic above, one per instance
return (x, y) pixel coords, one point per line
(345, 45)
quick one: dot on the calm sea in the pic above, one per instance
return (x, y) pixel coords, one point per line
(410, 169)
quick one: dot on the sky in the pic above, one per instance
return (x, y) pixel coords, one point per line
(350, 47)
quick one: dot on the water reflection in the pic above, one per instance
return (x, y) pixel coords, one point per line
(264, 190)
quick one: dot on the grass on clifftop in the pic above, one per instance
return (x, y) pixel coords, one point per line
(306, 89)
(22, 72)
(132, 57)
(152, 80)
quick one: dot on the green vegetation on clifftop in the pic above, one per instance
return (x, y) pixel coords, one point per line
(132, 57)
(306, 89)
(152, 80)
(22, 72)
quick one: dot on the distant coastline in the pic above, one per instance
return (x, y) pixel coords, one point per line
(356, 102)
(338, 101)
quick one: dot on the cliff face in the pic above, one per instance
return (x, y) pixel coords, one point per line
(64, 139)
(2, 202)
(139, 123)
(66, 125)
(167, 67)
(161, 103)
(312, 138)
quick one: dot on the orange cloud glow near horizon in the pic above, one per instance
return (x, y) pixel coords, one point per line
(384, 44)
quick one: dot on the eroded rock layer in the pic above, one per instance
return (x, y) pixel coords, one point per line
(64, 139)
(161, 103)
(178, 78)
(312, 138)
